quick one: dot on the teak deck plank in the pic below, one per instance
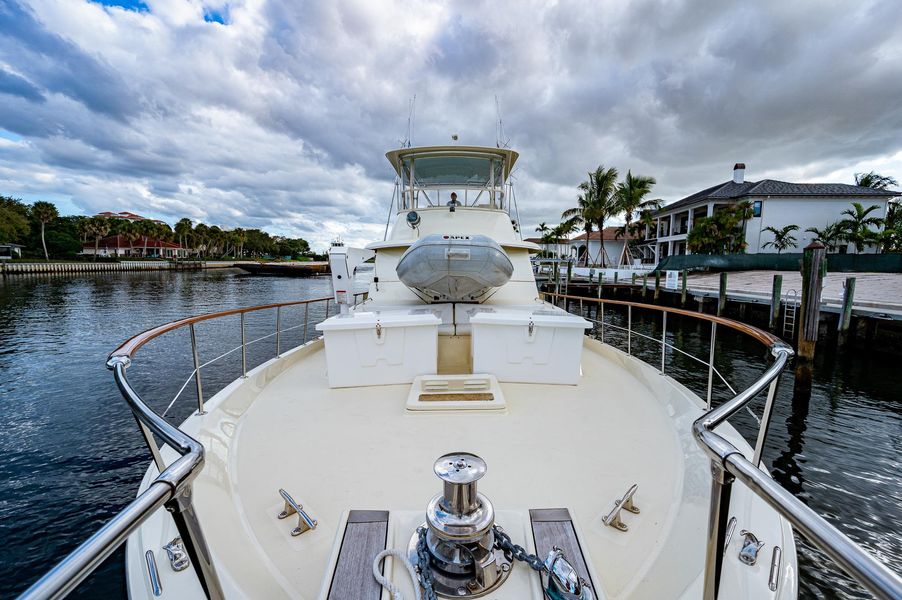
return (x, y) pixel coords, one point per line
(365, 536)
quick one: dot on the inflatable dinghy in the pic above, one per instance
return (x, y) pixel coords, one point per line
(455, 268)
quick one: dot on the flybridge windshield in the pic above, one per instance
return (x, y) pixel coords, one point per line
(452, 179)
(468, 171)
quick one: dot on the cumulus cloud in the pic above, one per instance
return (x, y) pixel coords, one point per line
(276, 114)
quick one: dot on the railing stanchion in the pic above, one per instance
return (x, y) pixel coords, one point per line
(718, 515)
(663, 338)
(306, 314)
(765, 421)
(711, 362)
(197, 382)
(629, 329)
(278, 331)
(243, 349)
(601, 319)
(182, 510)
(151, 445)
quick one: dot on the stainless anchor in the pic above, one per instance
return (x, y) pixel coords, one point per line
(564, 583)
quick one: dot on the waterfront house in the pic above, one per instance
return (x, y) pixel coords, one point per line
(774, 204)
(120, 246)
(587, 249)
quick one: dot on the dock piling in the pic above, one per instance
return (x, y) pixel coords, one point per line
(814, 268)
(775, 296)
(657, 285)
(845, 315)
(683, 290)
(722, 294)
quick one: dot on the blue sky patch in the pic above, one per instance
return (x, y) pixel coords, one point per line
(135, 5)
(217, 16)
(8, 135)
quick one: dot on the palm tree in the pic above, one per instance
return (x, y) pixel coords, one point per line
(874, 180)
(44, 212)
(183, 229)
(131, 234)
(858, 225)
(97, 227)
(829, 235)
(239, 236)
(631, 193)
(582, 214)
(600, 194)
(783, 238)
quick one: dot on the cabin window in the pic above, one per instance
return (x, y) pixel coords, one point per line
(455, 170)
(756, 208)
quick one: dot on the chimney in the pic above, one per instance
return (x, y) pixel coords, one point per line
(739, 173)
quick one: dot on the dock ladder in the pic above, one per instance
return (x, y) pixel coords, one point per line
(789, 314)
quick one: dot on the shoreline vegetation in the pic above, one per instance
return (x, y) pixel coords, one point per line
(47, 236)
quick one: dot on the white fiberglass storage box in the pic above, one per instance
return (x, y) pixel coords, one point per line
(528, 346)
(380, 348)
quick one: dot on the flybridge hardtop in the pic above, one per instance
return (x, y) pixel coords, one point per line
(454, 434)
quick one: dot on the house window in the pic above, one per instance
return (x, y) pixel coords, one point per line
(756, 208)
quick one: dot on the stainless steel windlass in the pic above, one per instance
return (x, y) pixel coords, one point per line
(460, 538)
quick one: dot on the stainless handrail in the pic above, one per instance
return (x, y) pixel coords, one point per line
(172, 487)
(728, 463)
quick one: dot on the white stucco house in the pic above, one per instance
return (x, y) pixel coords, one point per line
(586, 249)
(774, 204)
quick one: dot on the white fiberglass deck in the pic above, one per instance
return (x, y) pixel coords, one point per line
(577, 447)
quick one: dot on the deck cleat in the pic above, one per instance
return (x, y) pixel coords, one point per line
(750, 548)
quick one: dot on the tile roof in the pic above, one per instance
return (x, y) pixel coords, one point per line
(771, 187)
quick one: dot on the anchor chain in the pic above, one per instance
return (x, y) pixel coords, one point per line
(504, 542)
(426, 578)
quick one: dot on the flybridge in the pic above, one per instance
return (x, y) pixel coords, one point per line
(465, 176)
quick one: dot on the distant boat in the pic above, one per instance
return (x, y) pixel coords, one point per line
(294, 269)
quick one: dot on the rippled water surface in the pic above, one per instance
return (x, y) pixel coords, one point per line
(71, 455)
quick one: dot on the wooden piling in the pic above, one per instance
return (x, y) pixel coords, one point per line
(776, 294)
(814, 267)
(657, 285)
(644, 284)
(845, 315)
(722, 294)
(683, 291)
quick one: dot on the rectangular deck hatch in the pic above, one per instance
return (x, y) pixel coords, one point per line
(455, 392)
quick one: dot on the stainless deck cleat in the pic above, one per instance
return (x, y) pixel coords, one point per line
(178, 556)
(750, 548)
(305, 522)
(612, 519)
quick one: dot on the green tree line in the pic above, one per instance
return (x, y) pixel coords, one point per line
(44, 233)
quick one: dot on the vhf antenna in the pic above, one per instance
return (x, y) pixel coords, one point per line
(500, 140)
(411, 116)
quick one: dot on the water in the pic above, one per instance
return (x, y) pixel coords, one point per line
(71, 455)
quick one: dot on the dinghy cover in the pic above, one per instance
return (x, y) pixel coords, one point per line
(455, 268)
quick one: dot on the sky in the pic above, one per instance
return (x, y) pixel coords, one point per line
(277, 114)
